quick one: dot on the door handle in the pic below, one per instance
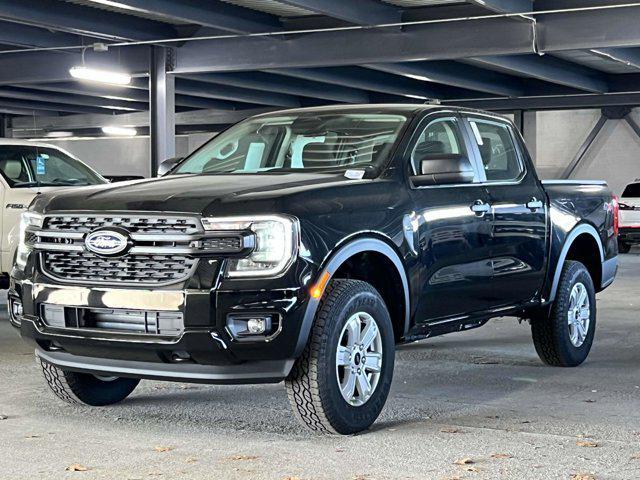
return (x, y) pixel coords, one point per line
(534, 204)
(480, 208)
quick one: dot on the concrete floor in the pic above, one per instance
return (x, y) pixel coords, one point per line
(481, 395)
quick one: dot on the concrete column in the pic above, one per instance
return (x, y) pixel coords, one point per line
(161, 107)
(530, 133)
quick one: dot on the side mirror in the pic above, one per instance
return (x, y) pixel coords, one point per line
(444, 169)
(166, 166)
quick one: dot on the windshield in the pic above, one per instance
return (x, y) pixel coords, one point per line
(31, 166)
(308, 141)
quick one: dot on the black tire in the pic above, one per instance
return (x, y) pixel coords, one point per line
(86, 389)
(624, 247)
(312, 385)
(551, 335)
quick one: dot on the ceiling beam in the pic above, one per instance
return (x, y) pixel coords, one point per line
(67, 17)
(55, 107)
(26, 36)
(225, 92)
(547, 68)
(288, 86)
(551, 102)
(137, 119)
(209, 13)
(505, 6)
(438, 41)
(44, 67)
(456, 75)
(360, 12)
(128, 94)
(357, 47)
(627, 56)
(368, 80)
(70, 99)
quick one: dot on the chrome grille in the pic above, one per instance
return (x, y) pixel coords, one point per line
(142, 269)
(132, 223)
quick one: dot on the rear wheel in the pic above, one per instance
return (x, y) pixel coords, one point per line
(85, 388)
(341, 382)
(624, 247)
(565, 336)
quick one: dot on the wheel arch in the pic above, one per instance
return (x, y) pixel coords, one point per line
(338, 262)
(579, 245)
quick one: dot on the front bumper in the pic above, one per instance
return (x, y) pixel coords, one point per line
(204, 351)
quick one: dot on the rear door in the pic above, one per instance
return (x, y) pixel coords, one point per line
(518, 202)
(451, 238)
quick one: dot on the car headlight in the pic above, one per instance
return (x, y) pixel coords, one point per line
(29, 221)
(276, 243)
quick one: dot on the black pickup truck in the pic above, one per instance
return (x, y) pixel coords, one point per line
(302, 246)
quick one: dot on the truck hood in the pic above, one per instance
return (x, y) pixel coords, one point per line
(198, 194)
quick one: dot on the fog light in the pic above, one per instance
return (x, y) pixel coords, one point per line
(15, 311)
(253, 326)
(17, 308)
(256, 325)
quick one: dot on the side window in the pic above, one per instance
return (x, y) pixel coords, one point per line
(497, 150)
(440, 136)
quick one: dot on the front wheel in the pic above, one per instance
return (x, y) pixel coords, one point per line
(564, 338)
(85, 388)
(341, 382)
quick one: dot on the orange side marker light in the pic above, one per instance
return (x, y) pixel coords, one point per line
(318, 289)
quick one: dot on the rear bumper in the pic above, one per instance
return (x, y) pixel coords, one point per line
(630, 235)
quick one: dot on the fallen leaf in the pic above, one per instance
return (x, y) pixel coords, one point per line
(586, 443)
(32, 436)
(76, 467)
(635, 456)
(291, 478)
(501, 455)
(191, 460)
(588, 400)
(471, 469)
(464, 461)
(244, 457)
(3, 417)
(451, 430)
(582, 476)
(163, 449)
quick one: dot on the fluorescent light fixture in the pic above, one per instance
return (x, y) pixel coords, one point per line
(120, 131)
(59, 134)
(101, 76)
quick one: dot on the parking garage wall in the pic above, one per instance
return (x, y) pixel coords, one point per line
(555, 137)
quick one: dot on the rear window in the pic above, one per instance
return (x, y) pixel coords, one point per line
(632, 190)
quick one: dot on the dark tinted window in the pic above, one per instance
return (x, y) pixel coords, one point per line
(632, 190)
(26, 166)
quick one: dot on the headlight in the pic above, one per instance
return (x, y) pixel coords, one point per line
(29, 221)
(276, 243)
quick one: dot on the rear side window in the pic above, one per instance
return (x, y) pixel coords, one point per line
(497, 150)
(632, 190)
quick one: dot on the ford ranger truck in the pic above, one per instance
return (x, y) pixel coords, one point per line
(303, 246)
(27, 169)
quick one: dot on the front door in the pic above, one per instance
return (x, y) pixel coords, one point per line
(451, 224)
(518, 201)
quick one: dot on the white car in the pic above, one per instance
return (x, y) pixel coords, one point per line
(629, 230)
(26, 170)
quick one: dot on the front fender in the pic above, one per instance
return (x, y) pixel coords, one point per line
(333, 264)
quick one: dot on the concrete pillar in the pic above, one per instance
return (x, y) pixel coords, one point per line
(530, 132)
(161, 107)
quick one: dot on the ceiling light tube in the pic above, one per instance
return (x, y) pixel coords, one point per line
(102, 76)
(120, 131)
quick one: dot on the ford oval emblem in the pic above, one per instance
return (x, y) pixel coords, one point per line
(106, 242)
